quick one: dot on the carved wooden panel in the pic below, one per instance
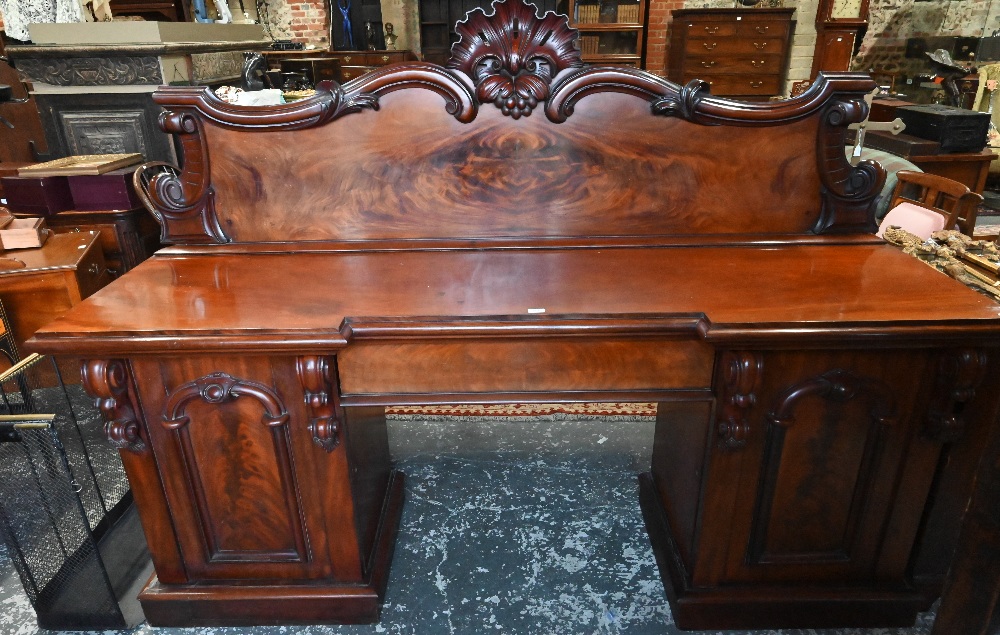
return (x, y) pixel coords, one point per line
(116, 132)
(240, 468)
(823, 457)
(115, 122)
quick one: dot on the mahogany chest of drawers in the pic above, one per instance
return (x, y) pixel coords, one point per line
(739, 52)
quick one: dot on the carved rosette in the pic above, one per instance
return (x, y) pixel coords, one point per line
(219, 388)
(107, 381)
(960, 374)
(512, 55)
(741, 381)
(318, 376)
(836, 385)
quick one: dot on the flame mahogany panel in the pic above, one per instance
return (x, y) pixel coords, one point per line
(412, 171)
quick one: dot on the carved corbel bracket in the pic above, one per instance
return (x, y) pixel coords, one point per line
(220, 388)
(849, 192)
(835, 385)
(108, 382)
(318, 376)
(960, 374)
(512, 55)
(185, 202)
(741, 382)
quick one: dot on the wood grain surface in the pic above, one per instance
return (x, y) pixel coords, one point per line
(218, 301)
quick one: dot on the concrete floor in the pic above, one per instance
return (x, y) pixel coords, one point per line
(517, 527)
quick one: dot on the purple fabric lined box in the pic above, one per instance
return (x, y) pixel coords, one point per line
(37, 195)
(109, 191)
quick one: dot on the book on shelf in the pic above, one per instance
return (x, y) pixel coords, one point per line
(588, 13)
(589, 44)
(628, 13)
(82, 165)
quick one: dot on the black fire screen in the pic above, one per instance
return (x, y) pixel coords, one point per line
(66, 513)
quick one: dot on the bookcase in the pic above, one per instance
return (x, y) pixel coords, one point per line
(611, 31)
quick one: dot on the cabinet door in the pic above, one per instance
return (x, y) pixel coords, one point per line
(251, 496)
(832, 447)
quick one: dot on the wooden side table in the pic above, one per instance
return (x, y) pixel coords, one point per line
(55, 277)
(127, 237)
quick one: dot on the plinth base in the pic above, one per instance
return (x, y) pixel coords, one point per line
(308, 602)
(763, 606)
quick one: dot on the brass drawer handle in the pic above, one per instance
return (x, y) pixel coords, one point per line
(708, 64)
(756, 84)
(385, 58)
(759, 45)
(94, 268)
(711, 30)
(760, 29)
(76, 230)
(756, 63)
(709, 48)
(347, 59)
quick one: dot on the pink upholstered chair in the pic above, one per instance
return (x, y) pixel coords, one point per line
(915, 219)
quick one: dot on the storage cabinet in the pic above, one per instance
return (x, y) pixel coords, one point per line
(611, 31)
(740, 53)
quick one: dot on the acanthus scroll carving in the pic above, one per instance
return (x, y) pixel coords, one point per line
(318, 376)
(512, 55)
(186, 200)
(849, 191)
(107, 382)
(960, 374)
(685, 104)
(220, 388)
(741, 383)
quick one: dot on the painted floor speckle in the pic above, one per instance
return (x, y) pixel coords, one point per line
(526, 527)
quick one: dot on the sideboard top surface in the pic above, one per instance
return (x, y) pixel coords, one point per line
(273, 300)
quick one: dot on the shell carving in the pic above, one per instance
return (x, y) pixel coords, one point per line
(512, 55)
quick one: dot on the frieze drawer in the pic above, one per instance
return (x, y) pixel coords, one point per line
(739, 84)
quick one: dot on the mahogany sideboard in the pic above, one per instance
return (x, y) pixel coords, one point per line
(518, 227)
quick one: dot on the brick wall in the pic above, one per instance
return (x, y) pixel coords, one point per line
(658, 35)
(309, 22)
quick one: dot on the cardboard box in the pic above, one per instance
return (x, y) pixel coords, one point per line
(24, 233)
(38, 195)
(142, 32)
(111, 190)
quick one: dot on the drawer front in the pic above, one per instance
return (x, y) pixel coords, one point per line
(353, 72)
(735, 46)
(738, 84)
(522, 365)
(710, 29)
(758, 29)
(760, 64)
(351, 58)
(92, 272)
(385, 57)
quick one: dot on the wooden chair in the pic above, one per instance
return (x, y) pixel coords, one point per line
(956, 202)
